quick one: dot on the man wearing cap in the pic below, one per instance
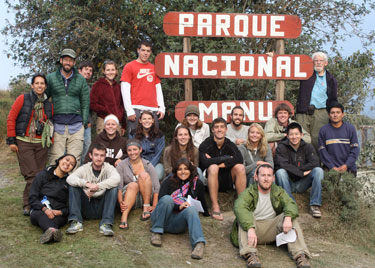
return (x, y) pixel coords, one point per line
(141, 88)
(71, 102)
(237, 132)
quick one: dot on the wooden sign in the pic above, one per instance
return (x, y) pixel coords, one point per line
(233, 66)
(231, 25)
(254, 111)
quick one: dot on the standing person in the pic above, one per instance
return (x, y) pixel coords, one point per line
(152, 141)
(338, 142)
(49, 198)
(71, 103)
(181, 147)
(256, 152)
(237, 132)
(174, 214)
(111, 139)
(139, 184)
(315, 95)
(86, 69)
(28, 130)
(298, 168)
(141, 88)
(198, 129)
(93, 193)
(263, 211)
(223, 162)
(105, 97)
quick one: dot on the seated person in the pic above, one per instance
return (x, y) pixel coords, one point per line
(298, 168)
(237, 132)
(152, 141)
(198, 129)
(256, 151)
(182, 146)
(223, 162)
(93, 192)
(263, 211)
(138, 184)
(174, 214)
(338, 142)
(275, 128)
(50, 186)
(112, 140)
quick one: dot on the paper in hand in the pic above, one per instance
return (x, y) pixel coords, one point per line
(283, 238)
(195, 203)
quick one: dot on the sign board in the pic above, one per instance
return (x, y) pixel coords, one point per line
(231, 25)
(233, 66)
(255, 111)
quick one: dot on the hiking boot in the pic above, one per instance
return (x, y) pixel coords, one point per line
(302, 261)
(57, 235)
(47, 236)
(198, 250)
(315, 211)
(74, 227)
(156, 239)
(252, 260)
(106, 229)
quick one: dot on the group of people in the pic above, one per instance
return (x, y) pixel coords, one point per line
(86, 178)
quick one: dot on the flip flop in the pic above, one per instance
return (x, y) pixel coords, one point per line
(145, 213)
(217, 215)
(122, 224)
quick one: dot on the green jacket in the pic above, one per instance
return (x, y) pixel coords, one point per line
(77, 98)
(246, 203)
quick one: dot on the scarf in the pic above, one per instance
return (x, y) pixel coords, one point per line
(38, 120)
(179, 196)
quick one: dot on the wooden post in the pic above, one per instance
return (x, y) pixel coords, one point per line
(280, 84)
(188, 82)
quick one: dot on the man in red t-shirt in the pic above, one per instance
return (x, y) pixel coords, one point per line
(141, 88)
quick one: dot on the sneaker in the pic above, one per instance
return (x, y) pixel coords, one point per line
(302, 261)
(252, 260)
(74, 227)
(57, 235)
(26, 211)
(156, 239)
(47, 236)
(106, 229)
(315, 211)
(198, 250)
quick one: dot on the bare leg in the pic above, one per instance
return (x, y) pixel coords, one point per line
(239, 177)
(129, 199)
(213, 188)
(145, 188)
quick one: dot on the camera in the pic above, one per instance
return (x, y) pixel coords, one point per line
(39, 126)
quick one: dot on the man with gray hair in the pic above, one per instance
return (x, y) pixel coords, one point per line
(315, 94)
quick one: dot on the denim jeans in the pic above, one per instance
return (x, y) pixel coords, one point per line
(160, 171)
(86, 143)
(81, 207)
(164, 219)
(313, 180)
(250, 178)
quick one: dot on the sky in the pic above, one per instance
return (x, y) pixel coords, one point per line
(9, 70)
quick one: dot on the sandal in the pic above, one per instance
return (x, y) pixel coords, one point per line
(217, 215)
(124, 223)
(144, 214)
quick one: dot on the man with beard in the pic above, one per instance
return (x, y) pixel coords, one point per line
(71, 102)
(263, 211)
(236, 131)
(315, 95)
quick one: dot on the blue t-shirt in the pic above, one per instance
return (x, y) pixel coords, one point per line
(319, 92)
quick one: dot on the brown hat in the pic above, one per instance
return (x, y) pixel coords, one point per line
(192, 109)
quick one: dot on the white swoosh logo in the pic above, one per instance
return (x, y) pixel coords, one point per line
(139, 76)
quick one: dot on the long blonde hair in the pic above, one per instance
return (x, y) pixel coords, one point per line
(262, 144)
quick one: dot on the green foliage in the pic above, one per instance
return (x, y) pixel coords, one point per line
(5, 103)
(18, 86)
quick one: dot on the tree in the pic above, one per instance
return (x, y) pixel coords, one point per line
(18, 85)
(98, 30)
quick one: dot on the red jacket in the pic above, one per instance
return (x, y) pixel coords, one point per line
(106, 99)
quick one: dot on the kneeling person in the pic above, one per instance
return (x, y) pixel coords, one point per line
(93, 192)
(263, 211)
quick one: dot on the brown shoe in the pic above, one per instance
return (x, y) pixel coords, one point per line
(47, 236)
(302, 261)
(315, 211)
(57, 235)
(198, 251)
(156, 239)
(252, 260)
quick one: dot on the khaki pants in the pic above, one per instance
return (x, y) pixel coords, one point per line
(266, 232)
(67, 143)
(313, 123)
(99, 125)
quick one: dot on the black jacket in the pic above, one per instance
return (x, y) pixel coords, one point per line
(54, 188)
(295, 162)
(306, 87)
